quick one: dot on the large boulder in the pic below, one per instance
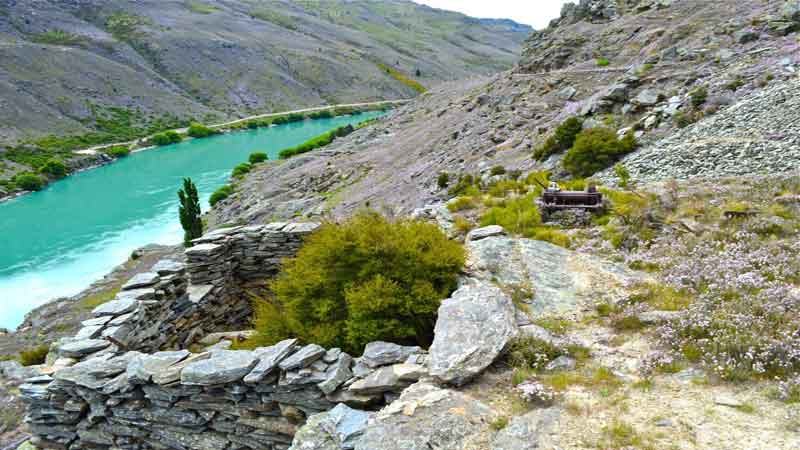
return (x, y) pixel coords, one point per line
(474, 326)
(426, 417)
(561, 280)
(337, 429)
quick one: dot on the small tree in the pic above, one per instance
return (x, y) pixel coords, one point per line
(624, 176)
(190, 212)
(55, 168)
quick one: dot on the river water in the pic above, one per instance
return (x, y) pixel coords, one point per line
(56, 242)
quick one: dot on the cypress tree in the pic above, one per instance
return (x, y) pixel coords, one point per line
(190, 212)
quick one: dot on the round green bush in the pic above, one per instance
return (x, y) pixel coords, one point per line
(119, 151)
(258, 157)
(29, 181)
(198, 130)
(241, 170)
(363, 280)
(166, 138)
(54, 168)
(220, 194)
(595, 149)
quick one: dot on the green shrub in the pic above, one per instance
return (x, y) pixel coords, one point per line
(257, 157)
(220, 194)
(324, 114)
(497, 170)
(59, 37)
(443, 180)
(34, 356)
(623, 175)
(735, 84)
(119, 151)
(466, 185)
(363, 280)
(462, 204)
(561, 140)
(29, 181)
(198, 130)
(317, 142)
(399, 76)
(603, 62)
(241, 170)
(166, 138)
(520, 216)
(189, 212)
(699, 97)
(595, 149)
(55, 168)
(553, 236)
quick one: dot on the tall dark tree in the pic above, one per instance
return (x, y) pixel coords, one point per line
(190, 212)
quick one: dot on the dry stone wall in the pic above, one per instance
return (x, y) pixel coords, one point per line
(125, 382)
(219, 399)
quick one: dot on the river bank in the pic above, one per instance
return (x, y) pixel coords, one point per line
(143, 143)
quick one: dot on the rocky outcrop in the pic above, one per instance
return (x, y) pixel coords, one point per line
(528, 431)
(337, 429)
(474, 327)
(555, 280)
(424, 417)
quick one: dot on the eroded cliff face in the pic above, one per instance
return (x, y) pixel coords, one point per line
(634, 69)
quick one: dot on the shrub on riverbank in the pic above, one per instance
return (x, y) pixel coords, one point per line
(257, 157)
(220, 194)
(241, 170)
(166, 138)
(198, 130)
(317, 142)
(119, 151)
(54, 168)
(363, 280)
(29, 181)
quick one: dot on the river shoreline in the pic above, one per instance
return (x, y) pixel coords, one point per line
(96, 150)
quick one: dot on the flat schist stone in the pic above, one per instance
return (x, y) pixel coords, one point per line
(138, 294)
(224, 366)
(116, 307)
(167, 267)
(305, 227)
(141, 280)
(84, 347)
(198, 292)
(144, 367)
(268, 359)
(303, 357)
(485, 232)
(202, 249)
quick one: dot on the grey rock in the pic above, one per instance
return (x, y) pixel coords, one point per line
(485, 232)
(98, 372)
(223, 367)
(791, 10)
(568, 93)
(474, 326)
(172, 374)
(142, 369)
(198, 292)
(203, 250)
(337, 374)
(303, 357)
(79, 349)
(116, 307)
(728, 400)
(658, 317)
(269, 358)
(388, 378)
(561, 363)
(168, 267)
(141, 280)
(379, 353)
(13, 370)
(424, 417)
(524, 432)
(89, 332)
(339, 428)
(646, 98)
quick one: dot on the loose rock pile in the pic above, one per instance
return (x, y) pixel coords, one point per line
(758, 134)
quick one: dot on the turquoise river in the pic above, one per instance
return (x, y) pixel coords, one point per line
(56, 242)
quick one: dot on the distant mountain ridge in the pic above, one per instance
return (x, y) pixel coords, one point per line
(64, 62)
